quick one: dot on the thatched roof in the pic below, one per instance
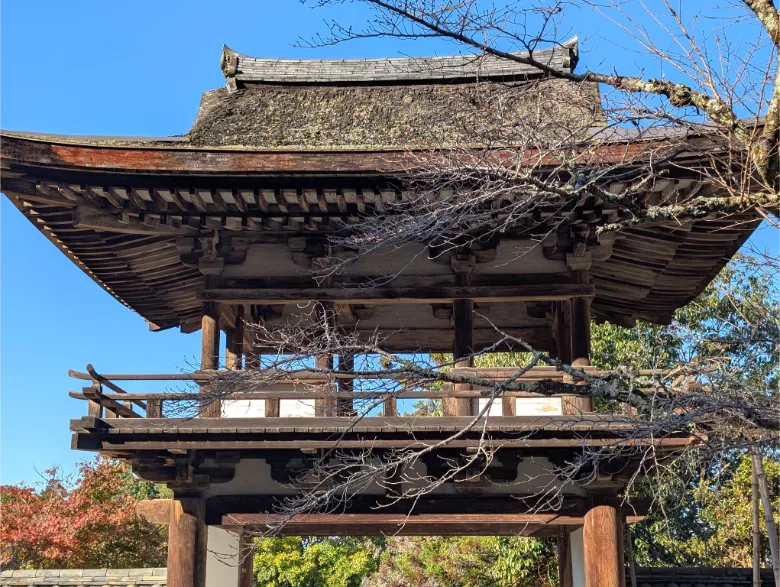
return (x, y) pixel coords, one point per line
(394, 116)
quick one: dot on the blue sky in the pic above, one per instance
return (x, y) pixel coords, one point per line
(125, 68)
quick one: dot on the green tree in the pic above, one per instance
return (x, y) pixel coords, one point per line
(466, 561)
(315, 562)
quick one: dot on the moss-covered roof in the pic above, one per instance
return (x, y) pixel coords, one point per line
(395, 116)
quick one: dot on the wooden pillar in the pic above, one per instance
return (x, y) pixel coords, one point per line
(565, 578)
(580, 344)
(187, 542)
(603, 540)
(562, 330)
(324, 406)
(346, 363)
(245, 554)
(209, 352)
(234, 342)
(463, 320)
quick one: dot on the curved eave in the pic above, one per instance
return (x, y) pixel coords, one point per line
(30, 162)
(166, 156)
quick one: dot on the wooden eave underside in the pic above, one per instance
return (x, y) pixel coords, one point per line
(652, 270)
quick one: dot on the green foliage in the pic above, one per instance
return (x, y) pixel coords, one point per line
(328, 562)
(467, 561)
(709, 523)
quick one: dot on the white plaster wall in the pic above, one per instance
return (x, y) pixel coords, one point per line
(249, 408)
(222, 559)
(577, 545)
(527, 406)
(534, 474)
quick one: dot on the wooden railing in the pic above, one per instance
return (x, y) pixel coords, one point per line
(107, 399)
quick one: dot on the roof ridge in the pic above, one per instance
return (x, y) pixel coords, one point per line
(240, 69)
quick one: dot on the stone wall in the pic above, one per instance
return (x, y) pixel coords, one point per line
(84, 578)
(699, 577)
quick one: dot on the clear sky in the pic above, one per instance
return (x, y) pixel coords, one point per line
(125, 68)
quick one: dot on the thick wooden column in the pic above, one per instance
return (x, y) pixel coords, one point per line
(187, 542)
(603, 540)
(463, 320)
(209, 352)
(234, 342)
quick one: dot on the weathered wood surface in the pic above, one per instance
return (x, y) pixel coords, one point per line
(603, 539)
(187, 543)
(209, 352)
(378, 524)
(155, 511)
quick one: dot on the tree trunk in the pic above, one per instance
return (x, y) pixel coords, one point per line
(769, 519)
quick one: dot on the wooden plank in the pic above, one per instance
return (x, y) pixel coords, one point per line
(399, 295)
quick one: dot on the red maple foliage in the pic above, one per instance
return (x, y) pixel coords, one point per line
(85, 523)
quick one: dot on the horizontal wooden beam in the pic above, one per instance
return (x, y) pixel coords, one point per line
(113, 444)
(398, 295)
(407, 525)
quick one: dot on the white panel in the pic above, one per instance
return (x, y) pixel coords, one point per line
(222, 559)
(302, 408)
(495, 410)
(577, 547)
(538, 406)
(256, 408)
(243, 408)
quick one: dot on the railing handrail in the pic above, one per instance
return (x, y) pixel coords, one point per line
(311, 394)
(487, 373)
